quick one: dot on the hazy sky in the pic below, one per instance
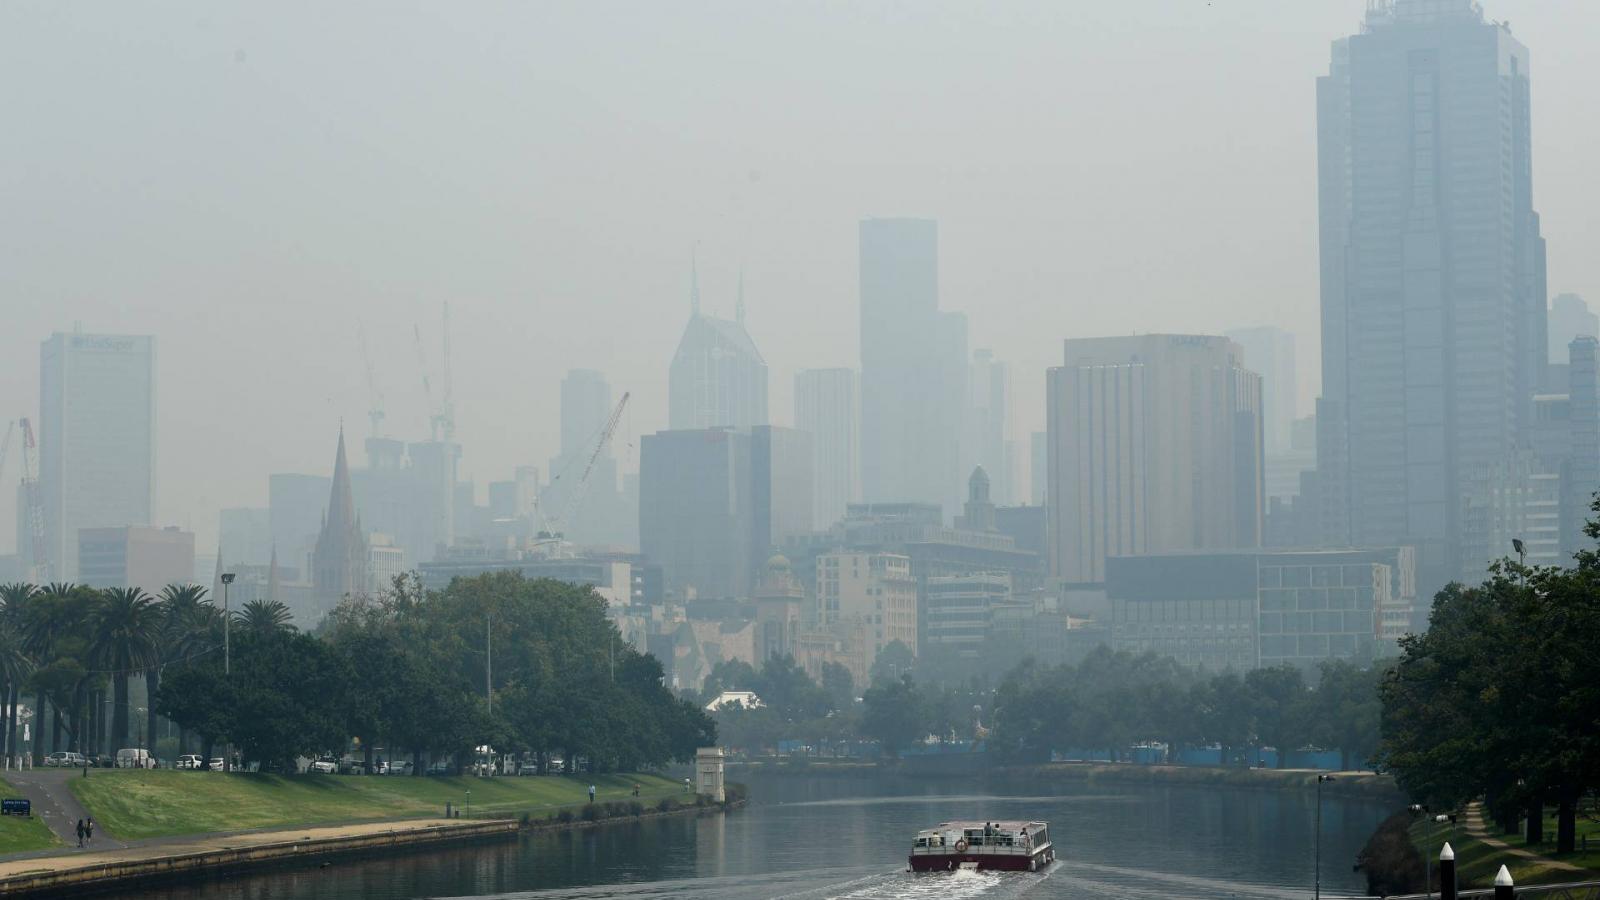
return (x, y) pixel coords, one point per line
(254, 182)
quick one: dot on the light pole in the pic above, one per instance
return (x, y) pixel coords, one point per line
(227, 656)
(1522, 551)
(1318, 888)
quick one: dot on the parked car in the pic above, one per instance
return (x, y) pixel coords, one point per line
(217, 764)
(65, 759)
(530, 767)
(441, 768)
(190, 761)
(325, 765)
(396, 767)
(135, 758)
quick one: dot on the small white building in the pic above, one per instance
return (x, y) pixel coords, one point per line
(746, 699)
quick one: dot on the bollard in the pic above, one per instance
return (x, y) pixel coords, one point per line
(1447, 873)
(1503, 889)
(447, 809)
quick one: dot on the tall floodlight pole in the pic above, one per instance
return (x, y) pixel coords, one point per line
(227, 652)
(1318, 878)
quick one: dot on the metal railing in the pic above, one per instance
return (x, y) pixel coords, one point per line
(978, 850)
(1581, 890)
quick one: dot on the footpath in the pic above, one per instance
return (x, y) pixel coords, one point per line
(1475, 827)
(55, 805)
(98, 867)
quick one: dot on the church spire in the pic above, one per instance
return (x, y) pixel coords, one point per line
(341, 499)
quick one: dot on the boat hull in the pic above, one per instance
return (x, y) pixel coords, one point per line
(986, 862)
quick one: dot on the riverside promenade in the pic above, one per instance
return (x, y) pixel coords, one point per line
(75, 871)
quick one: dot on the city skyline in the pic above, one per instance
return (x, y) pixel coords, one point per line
(209, 336)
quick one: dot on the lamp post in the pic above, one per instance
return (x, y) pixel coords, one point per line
(1318, 879)
(227, 655)
(1522, 551)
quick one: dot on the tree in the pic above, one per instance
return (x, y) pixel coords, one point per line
(125, 627)
(893, 712)
(894, 660)
(264, 617)
(1278, 698)
(839, 685)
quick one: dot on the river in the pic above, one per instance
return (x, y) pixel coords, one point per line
(846, 837)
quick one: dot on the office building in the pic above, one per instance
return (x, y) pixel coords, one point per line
(960, 609)
(135, 556)
(718, 378)
(1269, 352)
(295, 504)
(913, 368)
(827, 404)
(1570, 319)
(988, 422)
(1039, 467)
(696, 514)
(780, 489)
(245, 535)
(1154, 446)
(595, 513)
(97, 439)
(870, 596)
(1433, 275)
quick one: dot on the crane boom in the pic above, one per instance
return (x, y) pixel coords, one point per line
(374, 396)
(34, 498)
(575, 501)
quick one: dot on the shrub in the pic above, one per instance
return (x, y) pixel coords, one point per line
(635, 809)
(565, 816)
(664, 804)
(590, 813)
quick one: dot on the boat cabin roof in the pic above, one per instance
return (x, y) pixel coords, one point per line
(978, 825)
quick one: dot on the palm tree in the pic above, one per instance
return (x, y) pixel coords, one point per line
(42, 622)
(264, 617)
(15, 663)
(186, 619)
(124, 628)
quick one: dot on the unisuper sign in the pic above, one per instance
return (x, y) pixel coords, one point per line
(107, 344)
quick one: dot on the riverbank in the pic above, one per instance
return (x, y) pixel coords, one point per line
(106, 870)
(135, 804)
(1349, 784)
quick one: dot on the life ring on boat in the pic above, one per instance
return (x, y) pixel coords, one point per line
(961, 846)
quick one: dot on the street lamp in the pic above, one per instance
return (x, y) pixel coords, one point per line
(1522, 550)
(227, 654)
(1320, 780)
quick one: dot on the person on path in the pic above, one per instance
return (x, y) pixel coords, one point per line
(80, 832)
(88, 828)
(591, 793)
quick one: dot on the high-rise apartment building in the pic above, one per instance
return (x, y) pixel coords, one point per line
(1433, 277)
(913, 368)
(827, 404)
(1269, 352)
(718, 378)
(97, 438)
(1154, 445)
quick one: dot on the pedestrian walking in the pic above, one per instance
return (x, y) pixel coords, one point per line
(686, 784)
(591, 793)
(88, 828)
(80, 832)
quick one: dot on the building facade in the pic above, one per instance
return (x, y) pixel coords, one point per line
(1154, 445)
(1269, 352)
(960, 611)
(135, 556)
(696, 512)
(872, 595)
(827, 403)
(718, 378)
(1433, 275)
(97, 439)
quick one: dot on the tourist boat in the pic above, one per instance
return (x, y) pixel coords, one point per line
(986, 846)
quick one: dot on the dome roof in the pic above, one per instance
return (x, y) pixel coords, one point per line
(979, 476)
(778, 563)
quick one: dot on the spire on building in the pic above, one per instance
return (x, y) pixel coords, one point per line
(339, 562)
(694, 285)
(738, 307)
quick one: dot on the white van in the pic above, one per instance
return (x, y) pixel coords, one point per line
(135, 758)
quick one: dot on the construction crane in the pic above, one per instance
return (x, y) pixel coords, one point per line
(33, 497)
(553, 528)
(374, 396)
(441, 416)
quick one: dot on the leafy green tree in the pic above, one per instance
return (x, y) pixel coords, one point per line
(894, 713)
(839, 685)
(1278, 698)
(894, 660)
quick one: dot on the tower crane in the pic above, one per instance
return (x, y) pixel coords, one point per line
(374, 396)
(441, 416)
(33, 497)
(553, 528)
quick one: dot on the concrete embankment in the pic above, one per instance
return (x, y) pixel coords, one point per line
(82, 873)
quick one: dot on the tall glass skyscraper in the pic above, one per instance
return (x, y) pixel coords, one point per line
(97, 438)
(1433, 294)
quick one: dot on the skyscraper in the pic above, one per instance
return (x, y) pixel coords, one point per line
(97, 438)
(780, 492)
(695, 510)
(1154, 445)
(339, 562)
(1433, 301)
(1269, 352)
(988, 392)
(1570, 319)
(585, 410)
(718, 378)
(827, 404)
(913, 368)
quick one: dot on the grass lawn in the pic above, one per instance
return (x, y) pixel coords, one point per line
(1477, 862)
(134, 804)
(18, 834)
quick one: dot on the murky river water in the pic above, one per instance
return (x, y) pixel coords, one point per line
(847, 837)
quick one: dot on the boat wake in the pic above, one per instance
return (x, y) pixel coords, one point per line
(815, 884)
